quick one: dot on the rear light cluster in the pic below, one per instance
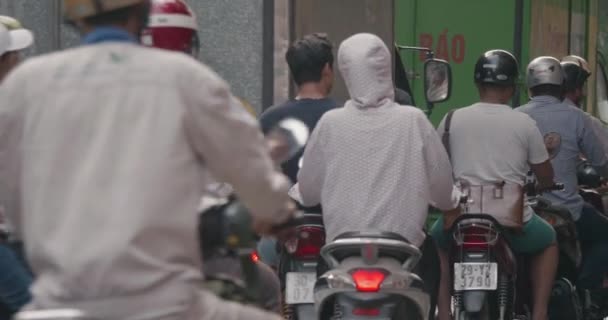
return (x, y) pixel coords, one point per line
(366, 312)
(308, 243)
(255, 257)
(475, 238)
(368, 280)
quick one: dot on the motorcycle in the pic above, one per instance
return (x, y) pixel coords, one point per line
(297, 267)
(489, 281)
(227, 240)
(565, 302)
(370, 277)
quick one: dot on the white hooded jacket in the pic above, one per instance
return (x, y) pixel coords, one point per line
(374, 164)
(105, 153)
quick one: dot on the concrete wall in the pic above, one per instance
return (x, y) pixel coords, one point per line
(231, 33)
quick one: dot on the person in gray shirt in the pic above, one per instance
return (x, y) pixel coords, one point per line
(568, 133)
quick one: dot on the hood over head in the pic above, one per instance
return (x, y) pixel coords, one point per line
(366, 66)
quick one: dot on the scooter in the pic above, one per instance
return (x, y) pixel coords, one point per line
(370, 277)
(565, 302)
(227, 240)
(297, 267)
(489, 281)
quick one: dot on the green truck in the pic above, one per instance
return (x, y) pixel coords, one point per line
(460, 31)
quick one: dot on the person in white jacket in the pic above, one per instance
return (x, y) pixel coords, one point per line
(105, 151)
(375, 165)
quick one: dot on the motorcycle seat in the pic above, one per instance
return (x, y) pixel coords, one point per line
(372, 235)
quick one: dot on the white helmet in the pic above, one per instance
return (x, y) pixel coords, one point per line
(545, 70)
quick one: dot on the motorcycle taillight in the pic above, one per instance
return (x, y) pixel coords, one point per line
(255, 257)
(368, 280)
(475, 238)
(308, 243)
(366, 312)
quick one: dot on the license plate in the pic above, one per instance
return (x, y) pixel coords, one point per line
(475, 276)
(299, 287)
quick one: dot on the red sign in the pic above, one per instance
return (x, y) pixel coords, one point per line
(453, 49)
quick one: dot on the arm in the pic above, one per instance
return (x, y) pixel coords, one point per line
(591, 147)
(231, 145)
(10, 157)
(544, 174)
(444, 195)
(312, 173)
(538, 157)
(601, 132)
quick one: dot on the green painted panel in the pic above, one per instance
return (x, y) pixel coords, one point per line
(458, 31)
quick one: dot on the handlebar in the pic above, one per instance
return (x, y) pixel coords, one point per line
(297, 219)
(533, 190)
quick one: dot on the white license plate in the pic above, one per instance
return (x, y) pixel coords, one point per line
(299, 287)
(475, 276)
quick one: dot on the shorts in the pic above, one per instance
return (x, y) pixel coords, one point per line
(536, 235)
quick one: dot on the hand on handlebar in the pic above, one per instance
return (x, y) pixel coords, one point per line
(266, 228)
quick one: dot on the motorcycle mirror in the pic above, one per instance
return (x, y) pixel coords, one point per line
(287, 139)
(437, 80)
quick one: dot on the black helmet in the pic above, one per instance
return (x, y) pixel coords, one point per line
(588, 176)
(498, 67)
(576, 71)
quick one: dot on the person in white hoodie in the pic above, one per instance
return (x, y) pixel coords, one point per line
(374, 164)
(105, 152)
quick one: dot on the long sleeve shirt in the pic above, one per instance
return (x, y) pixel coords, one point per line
(105, 152)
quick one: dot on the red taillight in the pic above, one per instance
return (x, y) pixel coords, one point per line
(310, 240)
(475, 238)
(255, 257)
(366, 312)
(368, 280)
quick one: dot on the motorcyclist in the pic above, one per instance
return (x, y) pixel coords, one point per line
(105, 152)
(491, 142)
(15, 278)
(568, 134)
(577, 72)
(374, 164)
(173, 26)
(311, 62)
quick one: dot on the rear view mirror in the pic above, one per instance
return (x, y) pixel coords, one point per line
(437, 80)
(287, 139)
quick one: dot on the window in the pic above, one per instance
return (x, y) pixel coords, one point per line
(602, 93)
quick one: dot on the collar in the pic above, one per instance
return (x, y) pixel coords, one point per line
(545, 99)
(493, 105)
(106, 34)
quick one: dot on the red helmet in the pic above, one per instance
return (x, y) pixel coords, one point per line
(172, 26)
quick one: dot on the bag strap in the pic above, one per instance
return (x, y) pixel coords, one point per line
(446, 133)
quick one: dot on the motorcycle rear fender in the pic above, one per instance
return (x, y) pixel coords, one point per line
(399, 283)
(474, 300)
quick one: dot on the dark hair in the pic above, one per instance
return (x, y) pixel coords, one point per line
(547, 90)
(308, 56)
(402, 97)
(119, 16)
